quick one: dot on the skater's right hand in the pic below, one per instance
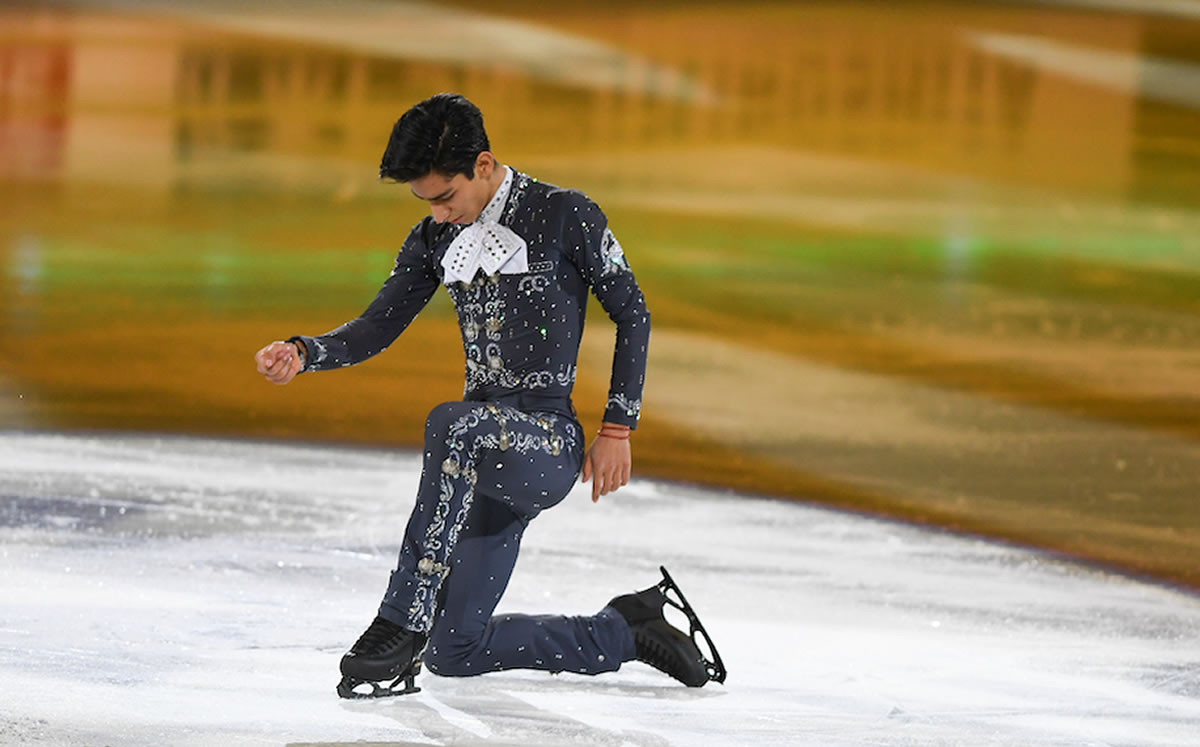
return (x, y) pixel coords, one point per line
(279, 362)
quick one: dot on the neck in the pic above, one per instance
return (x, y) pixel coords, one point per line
(497, 178)
(493, 182)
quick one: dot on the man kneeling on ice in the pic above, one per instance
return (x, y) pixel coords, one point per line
(518, 258)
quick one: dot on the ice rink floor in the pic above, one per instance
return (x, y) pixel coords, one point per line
(193, 592)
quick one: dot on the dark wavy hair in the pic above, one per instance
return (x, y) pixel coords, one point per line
(443, 133)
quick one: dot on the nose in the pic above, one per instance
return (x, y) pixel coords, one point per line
(441, 213)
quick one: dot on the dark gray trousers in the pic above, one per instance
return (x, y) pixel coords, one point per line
(489, 468)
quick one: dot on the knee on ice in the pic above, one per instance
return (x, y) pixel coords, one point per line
(452, 660)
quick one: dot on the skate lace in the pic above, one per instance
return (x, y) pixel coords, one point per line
(381, 634)
(658, 656)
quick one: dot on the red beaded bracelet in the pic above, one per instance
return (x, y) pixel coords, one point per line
(610, 434)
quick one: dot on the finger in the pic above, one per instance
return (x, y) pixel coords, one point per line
(283, 365)
(280, 372)
(597, 482)
(587, 467)
(609, 484)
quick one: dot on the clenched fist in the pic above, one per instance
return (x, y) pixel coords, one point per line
(280, 361)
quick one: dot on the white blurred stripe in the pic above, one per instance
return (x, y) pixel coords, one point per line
(1127, 72)
(411, 29)
(1184, 8)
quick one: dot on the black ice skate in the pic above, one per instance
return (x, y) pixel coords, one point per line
(384, 652)
(663, 646)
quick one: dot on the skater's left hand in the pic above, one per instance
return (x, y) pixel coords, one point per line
(607, 464)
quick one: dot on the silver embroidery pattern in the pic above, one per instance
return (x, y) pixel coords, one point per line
(318, 356)
(481, 314)
(533, 284)
(546, 379)
(458, 472)
(480, 306)
(632, 407)
(612, 255)
(516, 195)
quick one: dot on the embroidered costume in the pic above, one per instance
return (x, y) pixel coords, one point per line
(519, 278)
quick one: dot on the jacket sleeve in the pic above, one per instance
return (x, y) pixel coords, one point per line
(601, 261)
(405, 292)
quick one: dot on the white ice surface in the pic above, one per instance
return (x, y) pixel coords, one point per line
(191, 592)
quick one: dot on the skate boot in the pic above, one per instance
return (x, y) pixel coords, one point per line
(662, 645)
(384, 652)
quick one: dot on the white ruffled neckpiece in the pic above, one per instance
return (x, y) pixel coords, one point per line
(485, 244)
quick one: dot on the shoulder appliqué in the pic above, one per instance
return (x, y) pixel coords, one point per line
(612, 255)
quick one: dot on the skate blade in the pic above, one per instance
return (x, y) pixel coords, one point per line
(674, 597)
(347, 688)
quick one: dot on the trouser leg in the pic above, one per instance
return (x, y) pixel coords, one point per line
(467, 639)
(526, 462)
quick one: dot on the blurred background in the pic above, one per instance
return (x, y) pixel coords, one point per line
(933, 260)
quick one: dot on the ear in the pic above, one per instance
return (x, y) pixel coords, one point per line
(484, 163)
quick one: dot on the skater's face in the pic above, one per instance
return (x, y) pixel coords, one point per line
(458, 199)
